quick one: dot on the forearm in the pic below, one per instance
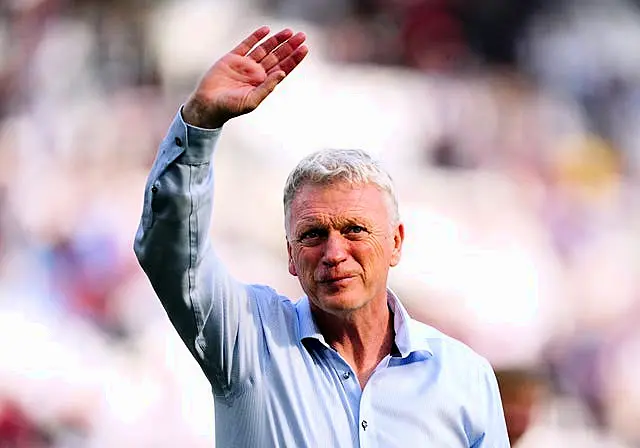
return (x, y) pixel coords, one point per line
(170, 240)
(172, 244)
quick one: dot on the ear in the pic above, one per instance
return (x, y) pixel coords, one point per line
(292, 267)
(398, 238)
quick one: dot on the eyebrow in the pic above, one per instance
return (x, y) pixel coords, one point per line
(311, 224)
(307, 227)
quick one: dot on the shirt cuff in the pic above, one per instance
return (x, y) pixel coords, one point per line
(198, 142)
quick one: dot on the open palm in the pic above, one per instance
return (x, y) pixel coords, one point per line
(238, 82)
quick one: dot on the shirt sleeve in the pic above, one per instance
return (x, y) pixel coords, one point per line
(491, 412)
(214, 314)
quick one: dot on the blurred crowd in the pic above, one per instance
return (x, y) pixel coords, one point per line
(509, 126)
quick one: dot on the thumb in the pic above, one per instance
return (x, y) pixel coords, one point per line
(268, 85)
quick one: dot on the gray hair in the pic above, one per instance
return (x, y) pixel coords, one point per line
(327, 166)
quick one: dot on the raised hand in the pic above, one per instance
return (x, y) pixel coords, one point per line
(238, 82)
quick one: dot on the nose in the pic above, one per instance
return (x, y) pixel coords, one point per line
(335, 249)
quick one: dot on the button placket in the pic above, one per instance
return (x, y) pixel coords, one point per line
(367, 416)
(345, 376)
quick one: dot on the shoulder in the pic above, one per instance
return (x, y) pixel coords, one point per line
(448, 351)
(461, 370)
(269, 303)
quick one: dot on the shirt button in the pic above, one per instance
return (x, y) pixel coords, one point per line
(364, 425)
(178, 141)
(346, 375)
(154, 189)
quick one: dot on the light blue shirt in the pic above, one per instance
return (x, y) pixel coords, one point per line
(275, 381)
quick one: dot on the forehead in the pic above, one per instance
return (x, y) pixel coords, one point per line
(339, 200)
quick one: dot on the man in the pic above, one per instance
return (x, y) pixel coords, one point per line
(345, 366)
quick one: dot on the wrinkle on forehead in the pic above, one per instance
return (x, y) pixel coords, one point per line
(338, 205)
(344, 186)
(333, 222)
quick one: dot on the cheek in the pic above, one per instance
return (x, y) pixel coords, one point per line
(304, 262)
(379, 251)
(369, 257)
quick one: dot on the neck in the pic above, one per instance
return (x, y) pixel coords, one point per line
(363, 338)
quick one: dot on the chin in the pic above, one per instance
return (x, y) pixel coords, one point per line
(340, 302)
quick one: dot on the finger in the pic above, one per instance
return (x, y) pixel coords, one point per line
(292, 61)
(283, 51)
(246, 45)
(263, 90)
(267, 46)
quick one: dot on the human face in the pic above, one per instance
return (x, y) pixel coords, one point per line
(341, 244)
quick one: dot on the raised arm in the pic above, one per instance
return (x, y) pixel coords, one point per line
(215, 316)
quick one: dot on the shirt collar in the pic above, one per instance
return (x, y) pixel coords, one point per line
(307, 328)
(410, 336)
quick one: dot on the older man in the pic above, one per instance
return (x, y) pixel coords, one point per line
(344, 366)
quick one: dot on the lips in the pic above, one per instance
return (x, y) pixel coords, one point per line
(335, 279)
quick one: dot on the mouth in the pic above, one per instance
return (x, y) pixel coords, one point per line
(337, 280)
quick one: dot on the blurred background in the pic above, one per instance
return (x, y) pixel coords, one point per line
(511, 128)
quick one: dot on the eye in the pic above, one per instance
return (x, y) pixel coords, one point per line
(355, 230)
(311, 236)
